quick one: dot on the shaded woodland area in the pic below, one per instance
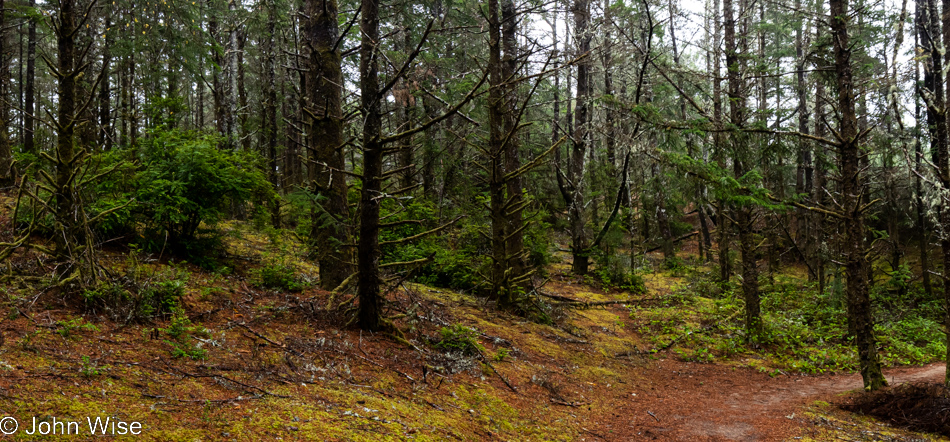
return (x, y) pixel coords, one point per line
(468, 145)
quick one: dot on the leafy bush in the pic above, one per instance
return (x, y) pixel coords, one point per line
(612, 271)
(187, 180)
(141, 303)
(461, 339)
(182, 332)
(89, 368)
(280, 276)
(66, 328)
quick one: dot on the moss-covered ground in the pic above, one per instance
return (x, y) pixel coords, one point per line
(243, 359)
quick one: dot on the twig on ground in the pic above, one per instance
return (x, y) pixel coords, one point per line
(499, 374)
(569, 404)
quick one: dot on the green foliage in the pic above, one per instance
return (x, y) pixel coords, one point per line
(538, 241)
(460, 339)
(613, 272)
(187, 180)
(68, 328)
(456, 255)
(138, 302)
(89, 368)
(280, 275)
(676, 266)
(802, 333)
(182, 333)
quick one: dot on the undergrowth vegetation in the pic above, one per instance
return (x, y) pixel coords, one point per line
(803, 330)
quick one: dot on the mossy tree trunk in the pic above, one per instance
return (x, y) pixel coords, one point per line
(368, 252)
(324, 108)
(852, 190)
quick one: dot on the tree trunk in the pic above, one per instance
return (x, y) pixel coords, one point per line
(512, 150)
(804, 170)
(743, 212)
(496, 167)
(6, 154)
(576, 212)
(29, 145)
(65, 201)
(105, 91)
(243, 114)
(368, 253)
(217, 61)
(325, 143)
(852, 190)
(230, 113)
(270, 109)
(920, 33)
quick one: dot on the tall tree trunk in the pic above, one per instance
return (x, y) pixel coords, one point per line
(722, 221)
(852, 190)
(804, 170)
(324, 101)
(243, 113)
(923, 240)
(576, 212)
(28, 119)
(743, 212)
(231, 95)
(105, 91)
(270, 108)
(368, 253)
(512, 151)
(496, 166)
(217, 62)
(65, 199)
(6, 154)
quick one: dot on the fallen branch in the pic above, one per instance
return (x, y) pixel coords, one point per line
(499, 375)
(204, 401)
(578, 303)
(686, 236)
(276, 344)
(568, 404)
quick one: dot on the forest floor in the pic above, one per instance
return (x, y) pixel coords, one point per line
(248, 364)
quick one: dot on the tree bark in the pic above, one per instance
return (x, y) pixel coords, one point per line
(852, 190)
(576, 212)
(66, 206)
(368, 252)
(743, 212)
(324, 100)
(269, 122)
(29, 145)
(105, 91)
(6, 154)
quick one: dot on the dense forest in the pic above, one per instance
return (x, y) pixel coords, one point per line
(792, 160)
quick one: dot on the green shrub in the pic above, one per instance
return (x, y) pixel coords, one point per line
(187, 180)
(67, 328)
(182, 333)
(142, 303)
(89, 368)
(612, 271)
(460, 339)
(280, 276)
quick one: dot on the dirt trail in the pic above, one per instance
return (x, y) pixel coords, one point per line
(700, 402)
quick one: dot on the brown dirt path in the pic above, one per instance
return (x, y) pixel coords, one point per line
(705, 402)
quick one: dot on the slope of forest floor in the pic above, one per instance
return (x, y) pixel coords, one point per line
(240, 362)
